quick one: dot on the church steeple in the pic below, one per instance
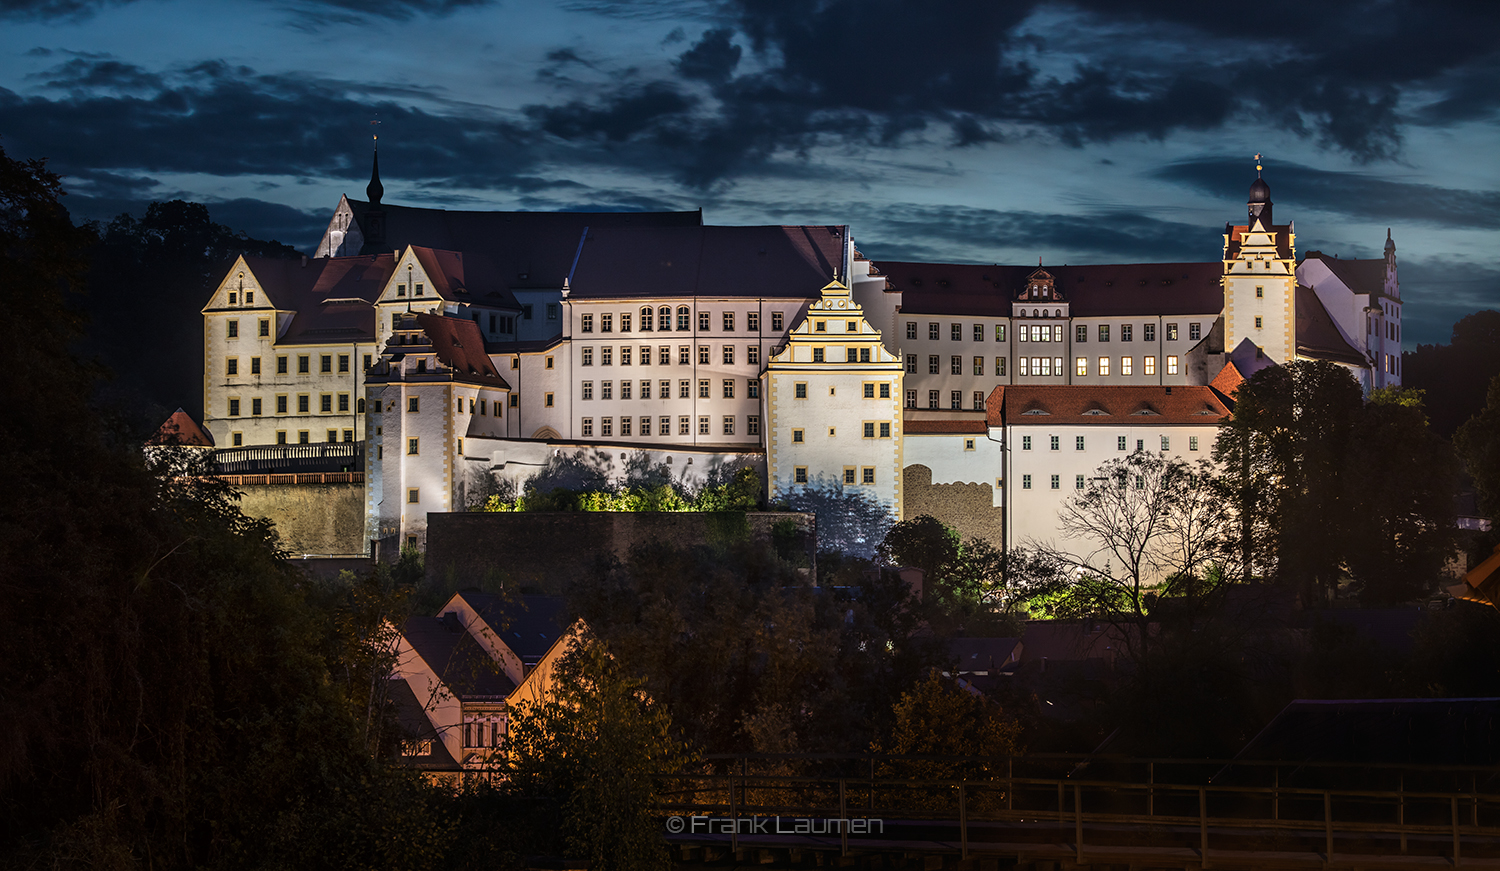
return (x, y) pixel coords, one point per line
(373, 224)
(375, 190)
(1260, 198)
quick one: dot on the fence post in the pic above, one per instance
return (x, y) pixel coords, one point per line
(1203, 826)
(1328, 826)
(843, 819)
(734, 814)
(1454, 800)
(963, 823)
(1078, 822)
(1276, 793)
(1010, 782)
(1061, 807)
(1401, 809)
(1150, 789)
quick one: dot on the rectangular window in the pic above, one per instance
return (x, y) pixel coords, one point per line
(413, 404)
(587, 357)
(799, 390)
(684, 389)
(932, 364)
(1080, 333)
(979, 332)
(867, 475)
(797, 436)
(232, 366)
(1025, 443)
(703, 355)
(999, 365)
(281, 437)
(752, 425)
(343, 402)
(304, 364)
(606, 356)
(304, 403)
(978, 365)
(646, 390)
(703, 428)
(869, 388)
(665, 426)
(255, 406)
(703, 322)
(588, 427)
(911, 329)
(281, 404)
(254, 365)
(932, 399)
(1023, 366)
(548, 400)
(280, 365)
(817, 355)
(664, 355)
(1195, 332)
(606, 390)
(885, 391)
(1148, 332)
(955, 400)
(752, 322)
(625, 356)
(1104, 332)
(752, 355)
(1081, 366)
(932, 332)
(885, 429)
(302, 437)
(729, 424)
(265, 328)
(911, 399)
(728, 388)
(999, 332)
(1077, 443)
(343, 363)
(325, 403)
(333, 436)
(799, 474)
(1125, 330)
(1057, 333)
(849, 474)
(728, 322)
(1192, 443)
(1078, 482)
(869, 429)
(1148, 365)
(606, 323)
(325, 363)
(625, 426)
(1171, 332)
(234, 329)
(1120, 443)
(1166, 443)
(548, 365)
(956, 365)
(1025, 482)
(1056, 484)
(1172, 364)
(683, 425)
(412, 445)
(728, 355)
(588, 390)
(413, 495)
(911, 363)
(625, 389)
(1104, 366)
(979, 400)
(1260, 293)
(703, 388)
(234, 408)
(606, 427)
(1258, 322)
(778, 321)
(1055, 442)
(1125, 365)
(586, 325)
(956, 332)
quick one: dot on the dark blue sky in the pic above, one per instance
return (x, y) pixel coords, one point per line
(1092, 131)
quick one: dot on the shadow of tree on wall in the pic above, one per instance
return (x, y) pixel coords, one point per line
(849, 521)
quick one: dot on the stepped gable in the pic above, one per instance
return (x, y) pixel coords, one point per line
(1237, 233)
(1092, 404)
(1108, 290)
(1317, 335)
(1360, 276)
(181, 429)
(778, 261)
(528, 249)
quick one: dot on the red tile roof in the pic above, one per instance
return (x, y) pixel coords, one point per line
(459, 345)
(944, 427)
(1091, 291)
(1089, 404)
(180, 429)
(1228, 380)
(1317, 335)
(795, 261)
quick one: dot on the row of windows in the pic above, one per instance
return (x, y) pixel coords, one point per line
(481, 406)
(304, 364)
(328, 403)
(628, 389)
(869, 390)
(1054, 332)
(627, 425)
(232, 328)
(1038, 366)
(662, 320)
(870, 429)
(852, 475)
(955, 399)
(1055, 443)
(249, 296)
(304, 437)
(1080, 482)
(664, 355)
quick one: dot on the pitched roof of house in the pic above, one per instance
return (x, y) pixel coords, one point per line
(770, 261)
(333, 298)
(1228, 380)
(1089, 404)
(452, 654)
(1317, 335)
(527, 249)
(529, 626)
(912, 426)
(460, 346)
(1105, 290)
(1360, 276)
(412, 720)
(181, 429)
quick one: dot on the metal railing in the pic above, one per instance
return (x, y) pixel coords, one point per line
(291, 459)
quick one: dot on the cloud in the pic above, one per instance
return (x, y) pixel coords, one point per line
(399, 10)
(712, 59)
(1356, 194)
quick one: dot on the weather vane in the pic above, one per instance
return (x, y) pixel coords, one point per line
(1258, 167)
(375, 134)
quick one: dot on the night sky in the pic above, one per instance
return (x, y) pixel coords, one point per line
(1088, 132)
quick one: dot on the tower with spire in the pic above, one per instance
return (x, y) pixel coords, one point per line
(374, 220)
(1260, 283)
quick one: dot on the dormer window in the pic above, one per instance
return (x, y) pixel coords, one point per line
(249, 297)
(234, 298)
(401, 290)
(418, 290)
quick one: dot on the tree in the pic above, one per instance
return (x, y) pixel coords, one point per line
(848, 521)
(595, 745)
(1455, 376)
(939, 718)
(1478, 443)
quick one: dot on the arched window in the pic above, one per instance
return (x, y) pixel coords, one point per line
(646, 318)
(683, 317)
(1057, 314)
(664, 318)
(1034, 314)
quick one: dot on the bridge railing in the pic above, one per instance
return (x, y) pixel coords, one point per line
(1110, 807)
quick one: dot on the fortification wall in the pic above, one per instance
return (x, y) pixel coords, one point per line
(545, 550)
(967, 507)
(312, 518)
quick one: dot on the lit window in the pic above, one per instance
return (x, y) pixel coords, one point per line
(999, 332)
(1149, 365)
(1081, 365)
(1171, 332)
(1103, 365)
(1172, 364)
(1125, 365)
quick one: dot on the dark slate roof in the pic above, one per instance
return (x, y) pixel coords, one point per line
(1092, 291)
(529, 627)
(527, 249)
(412, 720)
(333, 298)
(181, 429)
(459, 345)
(464, 666)
(1095, 404)
(1317, 335)
(795, 261)
(1360, 276)
(1389, 731)
(982, 654)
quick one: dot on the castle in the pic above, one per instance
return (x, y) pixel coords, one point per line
(465, 348)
